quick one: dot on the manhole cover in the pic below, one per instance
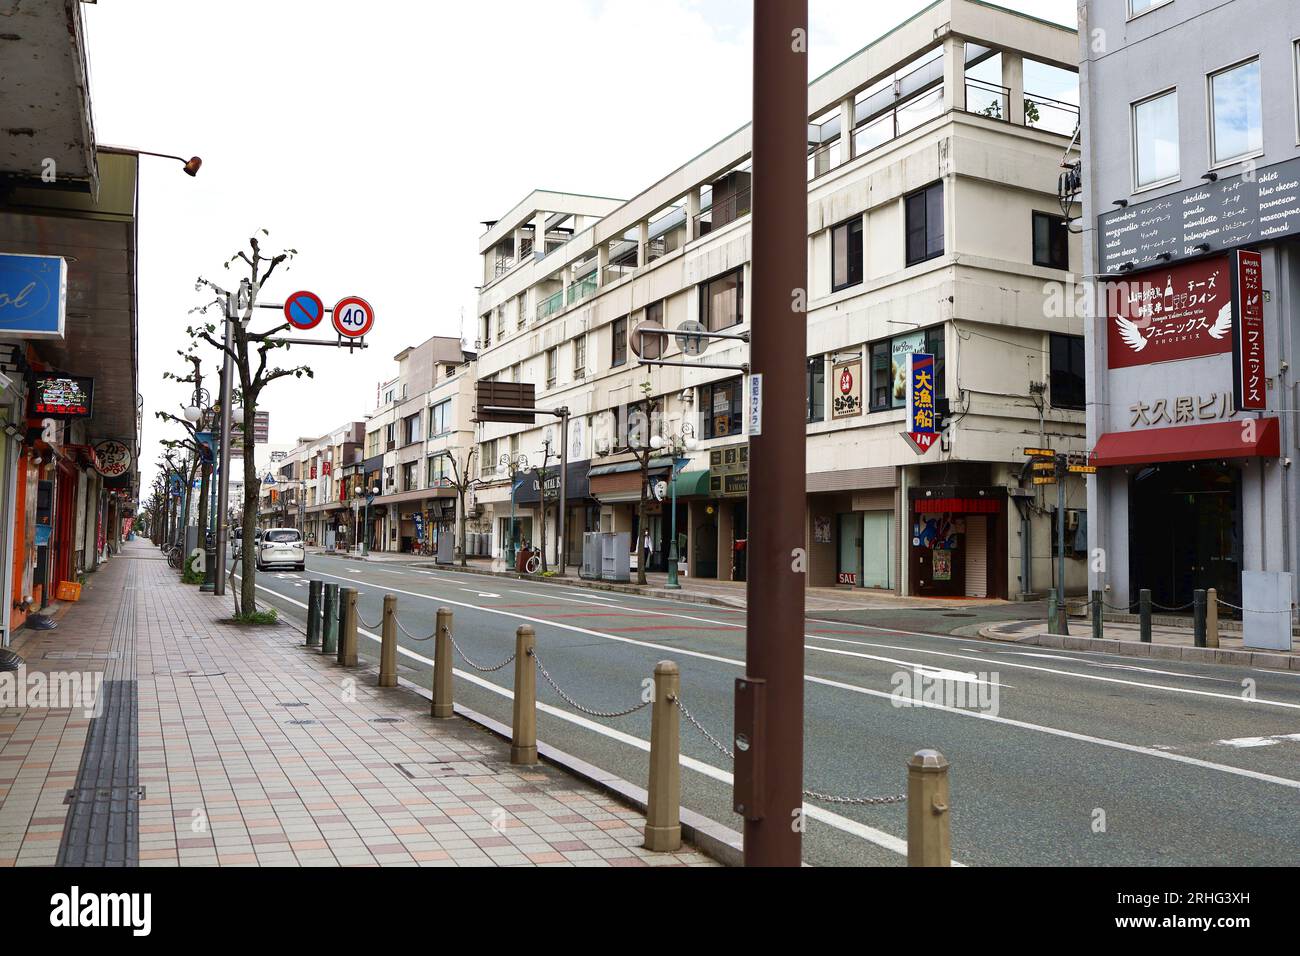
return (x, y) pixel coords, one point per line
(958, 614)
(301, 722)
(386, 720)
(440, 769)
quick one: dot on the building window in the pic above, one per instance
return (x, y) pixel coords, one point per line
(815, 386)
(1051, 241)
(410, 476)
(1139, 7)
(889, 366)
(501, 322)
(411, 429)
(1067, 372)
(846, 254)
(521, 315)
(552, 366)
(924, 216)
(440, 418)
(722, 301)
(485, 325)
(390, 436)
(580, 357)
(439, 470)
(388, 479)
(618, 350)
(1155, 141)
(1236, 120)
(721, 406)
(487, 461)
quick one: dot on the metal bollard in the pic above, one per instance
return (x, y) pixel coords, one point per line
(663, 827)
(1097, 632)
(1212, 617)
(1144, 610)
(315, 590)
(1051, 610)
(929, 840)
(523, 738)
(388, 643)
(348, 627)
(330, 620)
(442, 703)
(1198, 617)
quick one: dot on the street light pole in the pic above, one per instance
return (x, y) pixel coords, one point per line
(677, 445)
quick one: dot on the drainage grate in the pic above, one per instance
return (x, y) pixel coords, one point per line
(82, 794)
(302, 722)
(440, 769)
(295, 703)
(387, 720)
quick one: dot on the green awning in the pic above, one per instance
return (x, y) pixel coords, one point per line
(692, 483)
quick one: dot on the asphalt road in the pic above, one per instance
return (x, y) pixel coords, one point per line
(1058, 758)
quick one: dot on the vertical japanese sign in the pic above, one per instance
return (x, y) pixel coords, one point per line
(846, 399)
(920, 402)
(1248, 375)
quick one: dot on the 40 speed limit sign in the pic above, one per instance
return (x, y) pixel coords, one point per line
(353, 317)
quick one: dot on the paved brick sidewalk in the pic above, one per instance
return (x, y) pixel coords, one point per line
(251, 751)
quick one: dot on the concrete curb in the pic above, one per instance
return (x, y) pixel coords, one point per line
(1162, 652)
(711, 838)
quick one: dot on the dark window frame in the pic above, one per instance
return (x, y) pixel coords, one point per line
(930, 198)
(1057, 241)
(618, 342)
(736, 412)
(933, 344)
(851, 260)
(706, 313)
(1067, 379)
(815, 394)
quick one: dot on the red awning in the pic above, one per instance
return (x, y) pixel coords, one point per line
(1190, 443)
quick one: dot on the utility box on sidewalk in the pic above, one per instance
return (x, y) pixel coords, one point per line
(1266, 610)
(446, 549)
(615, 557)
(590, 556)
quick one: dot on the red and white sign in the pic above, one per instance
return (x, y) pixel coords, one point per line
(353, 317)
(921, 441)
(112, 458)
(1248, 338)
(304, 310)
(1164, 315)
(847, 577)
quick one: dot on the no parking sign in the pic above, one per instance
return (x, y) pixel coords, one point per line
(304, 310)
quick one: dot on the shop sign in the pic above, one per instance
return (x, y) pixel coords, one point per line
(921, 419)
(1183, 410)
(941, 565)
(846, 577)
(1170, 314)
(847, 398)
(1249, 383)
(112, 458)
(33, 296)
(61, 396)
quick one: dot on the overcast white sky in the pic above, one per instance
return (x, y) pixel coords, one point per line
(376, 137)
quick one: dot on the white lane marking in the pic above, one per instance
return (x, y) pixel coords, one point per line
(1051, 670)
(488, 594)
(349, 570)
(860, 830)
(1124, 667)
(391, 571)
(827, 682)
(556, 597)
(1244, 742)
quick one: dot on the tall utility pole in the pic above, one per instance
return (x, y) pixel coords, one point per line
(223, 459)
(769, 698)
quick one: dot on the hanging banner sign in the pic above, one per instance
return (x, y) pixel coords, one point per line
(61, 396)
(33, 296)
(1250, 386)
(921, 419)
(846, 400)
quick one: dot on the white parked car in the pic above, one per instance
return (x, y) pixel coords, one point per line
(281, 546)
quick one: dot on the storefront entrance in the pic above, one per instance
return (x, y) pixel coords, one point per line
(1185, 531)
(958, 542)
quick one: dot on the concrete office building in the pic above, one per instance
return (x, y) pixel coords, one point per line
(933, 227)
(1190, 157)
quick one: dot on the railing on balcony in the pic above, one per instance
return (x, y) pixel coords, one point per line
(616, 270)
(1053, 116)
(503, 266)
(579, 290)
(550, 305)
(718, 214)
(988, 99)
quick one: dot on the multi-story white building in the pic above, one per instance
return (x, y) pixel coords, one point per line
(933, 227)
(417, 441)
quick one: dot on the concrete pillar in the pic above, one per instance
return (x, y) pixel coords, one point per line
(539, 235)
(693, 214)
(847, 110)
(602, 263)
(954, 73)
(642, 240)
(1013, 78)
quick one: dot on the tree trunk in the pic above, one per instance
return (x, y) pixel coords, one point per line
(460, 495)
(205, 475)
(248, 557)
(641, 525)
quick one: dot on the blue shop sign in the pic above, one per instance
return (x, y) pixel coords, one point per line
(33, 296)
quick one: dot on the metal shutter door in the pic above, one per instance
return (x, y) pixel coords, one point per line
(976, 556)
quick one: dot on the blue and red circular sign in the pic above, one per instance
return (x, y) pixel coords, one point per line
(304, 310)
(353, 317)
